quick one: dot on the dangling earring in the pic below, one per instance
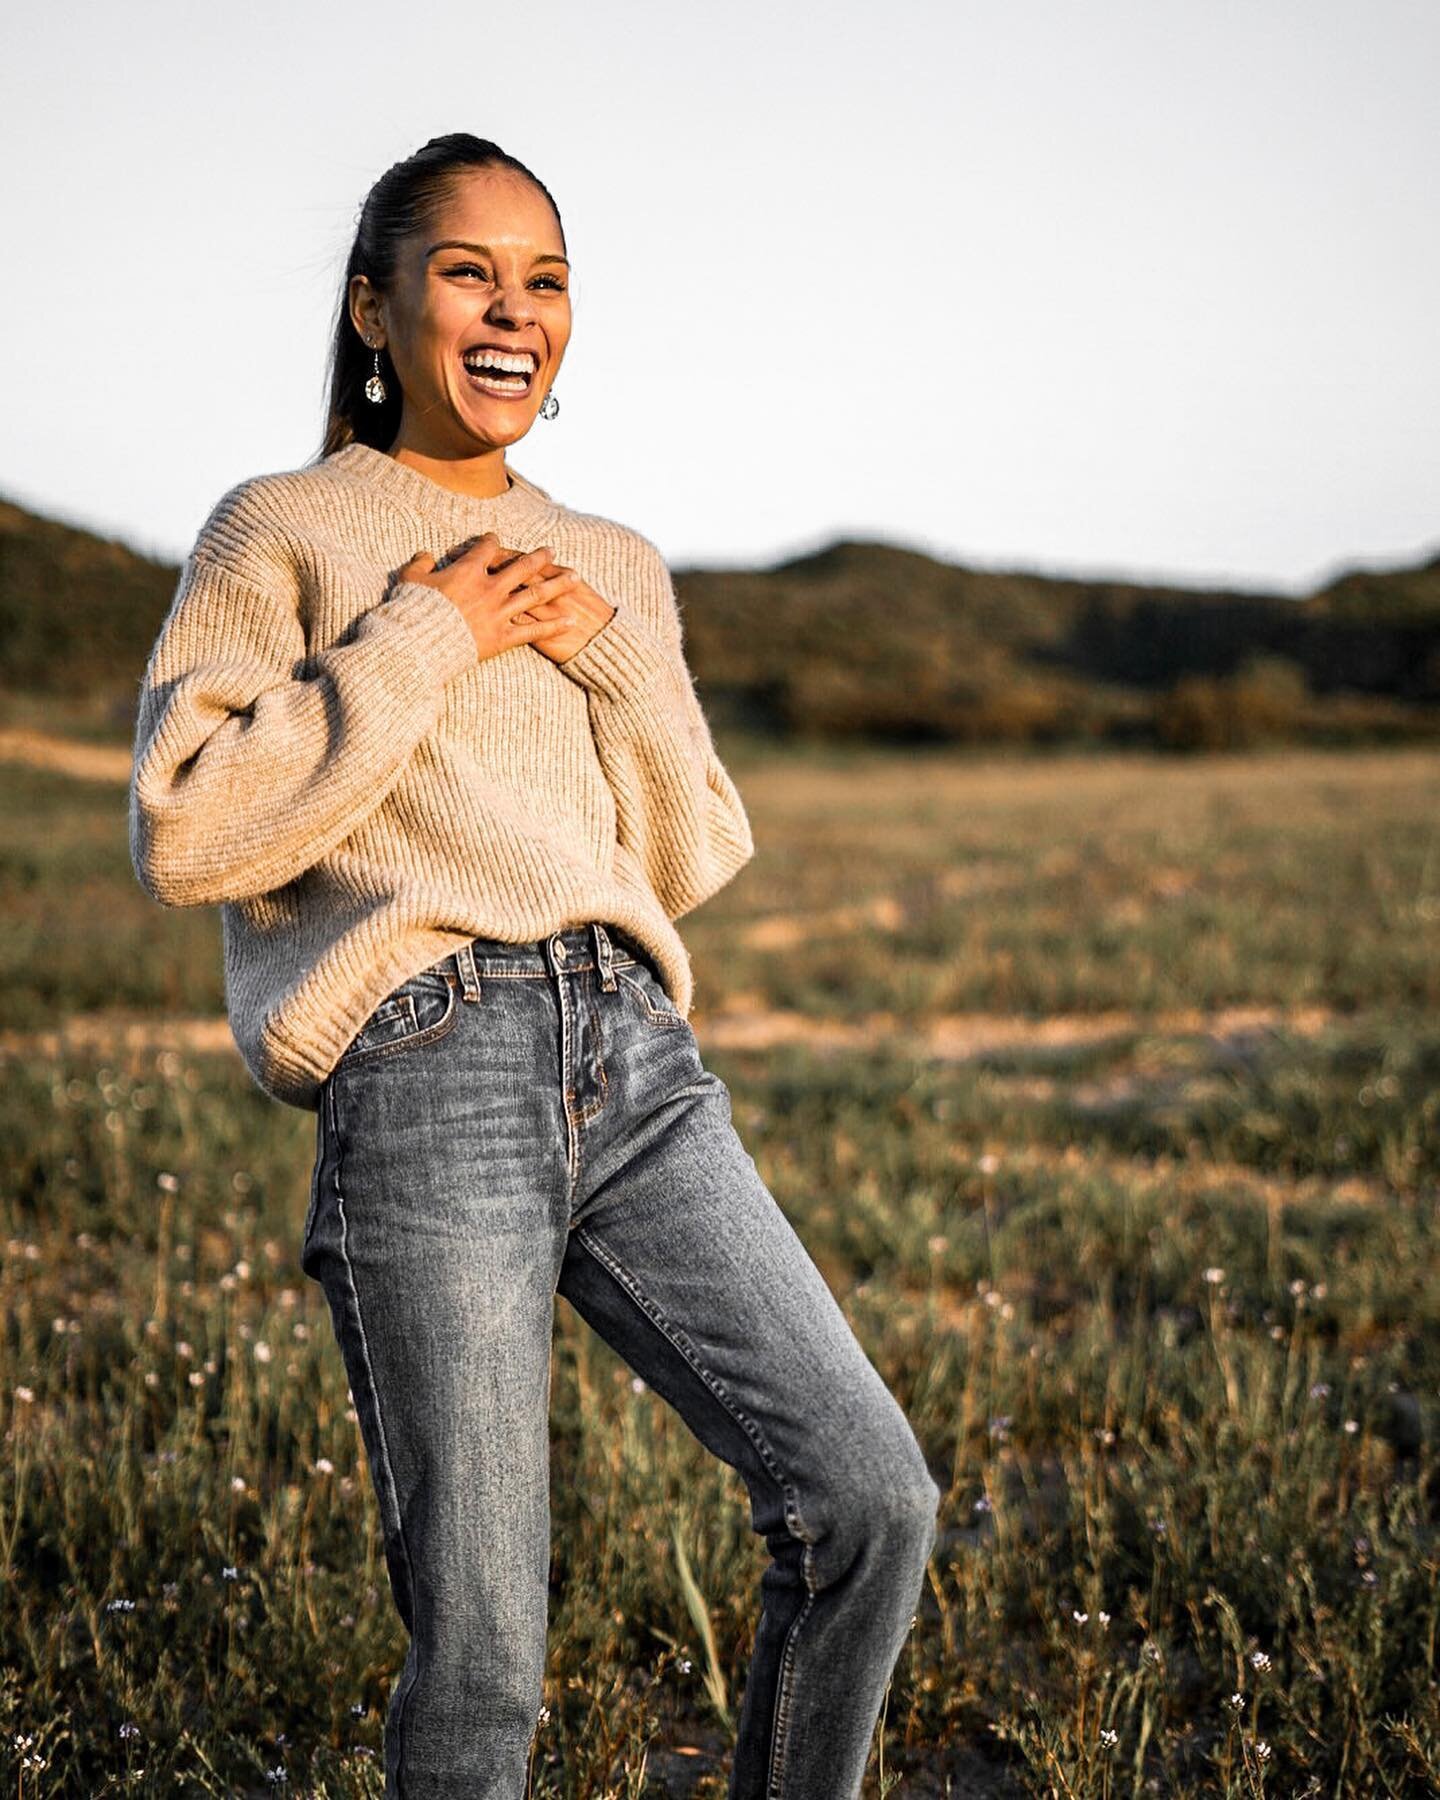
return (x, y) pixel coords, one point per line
(550, 407)
(375, 389)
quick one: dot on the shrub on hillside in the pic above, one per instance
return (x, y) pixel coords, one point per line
(1265, 700)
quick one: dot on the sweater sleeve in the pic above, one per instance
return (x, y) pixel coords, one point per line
(253, 758)
(678, 810)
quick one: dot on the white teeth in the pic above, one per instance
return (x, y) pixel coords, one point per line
(523, 364)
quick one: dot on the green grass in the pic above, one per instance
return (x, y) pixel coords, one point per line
(1162, 1306)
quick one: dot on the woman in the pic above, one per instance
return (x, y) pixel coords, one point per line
(430, 741)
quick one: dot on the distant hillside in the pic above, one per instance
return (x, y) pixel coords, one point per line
(1389, 594)
(868, 639)
(76, 610)
(863, 632)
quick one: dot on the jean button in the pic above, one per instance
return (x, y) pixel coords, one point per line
(557, 944)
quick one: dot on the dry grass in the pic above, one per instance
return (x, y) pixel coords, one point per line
(1104, 1091)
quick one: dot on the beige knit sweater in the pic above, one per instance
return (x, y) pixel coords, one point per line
(320, 751)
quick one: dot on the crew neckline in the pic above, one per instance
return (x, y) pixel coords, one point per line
(521, 503)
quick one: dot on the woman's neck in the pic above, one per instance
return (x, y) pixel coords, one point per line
(479, 477)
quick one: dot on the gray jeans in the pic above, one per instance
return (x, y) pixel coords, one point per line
(522, 1119)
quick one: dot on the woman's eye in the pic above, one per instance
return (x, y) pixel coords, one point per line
(550, 281)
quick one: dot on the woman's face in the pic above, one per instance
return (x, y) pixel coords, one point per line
(489, 275)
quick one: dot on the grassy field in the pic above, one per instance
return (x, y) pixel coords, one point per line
(1114, 1124)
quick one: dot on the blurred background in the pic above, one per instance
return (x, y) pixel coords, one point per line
(1119, 321)
(1040, 407)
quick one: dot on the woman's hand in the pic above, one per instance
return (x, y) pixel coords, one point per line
(583, 609)
(512, 597)
(493, 588)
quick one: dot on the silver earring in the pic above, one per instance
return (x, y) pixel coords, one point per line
(375, 389)
(550, 407)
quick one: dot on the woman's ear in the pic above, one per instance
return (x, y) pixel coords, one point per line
(367, 310)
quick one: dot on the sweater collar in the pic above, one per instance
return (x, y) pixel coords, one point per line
(523, 507)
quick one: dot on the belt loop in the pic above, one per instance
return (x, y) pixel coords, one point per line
(469, 975)
(602, 956)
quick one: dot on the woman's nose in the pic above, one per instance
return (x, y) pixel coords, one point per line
(512, 301)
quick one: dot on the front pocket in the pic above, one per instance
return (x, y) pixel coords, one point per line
(648, 995)
(420, 1010)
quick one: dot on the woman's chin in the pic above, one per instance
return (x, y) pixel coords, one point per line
(501, 419)
(492, 432)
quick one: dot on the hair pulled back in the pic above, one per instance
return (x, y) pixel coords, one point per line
(405, 199)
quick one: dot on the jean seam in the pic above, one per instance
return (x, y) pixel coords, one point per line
(656, 1015)
(568, 1034)
(785, 1691)
(586, 1113)
(383, 1435)
(496, 970)
(682, 1343)
(413, 1040)
(785, 1686)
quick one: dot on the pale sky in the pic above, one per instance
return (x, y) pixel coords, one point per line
(1154, 285)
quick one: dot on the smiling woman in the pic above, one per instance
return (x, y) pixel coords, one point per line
(452, 800)
(471, 328)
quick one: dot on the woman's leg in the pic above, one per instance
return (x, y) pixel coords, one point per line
(679, 1256)
(436, 1232)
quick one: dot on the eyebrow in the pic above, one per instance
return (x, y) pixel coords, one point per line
(485, 250)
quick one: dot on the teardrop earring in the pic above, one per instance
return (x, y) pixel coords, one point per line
(375, 389)
(550, 407)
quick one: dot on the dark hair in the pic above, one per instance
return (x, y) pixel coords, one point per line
(405, 198)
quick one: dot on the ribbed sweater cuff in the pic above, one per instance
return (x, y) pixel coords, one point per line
(622, 658)
(433, 626)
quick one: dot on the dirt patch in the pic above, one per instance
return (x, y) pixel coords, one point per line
(115, 1032)
(961, 1037)
(954, 1037)
(1204, 1178)
(785, 931)
(43, 750)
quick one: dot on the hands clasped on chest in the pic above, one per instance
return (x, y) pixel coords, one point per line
(510, 597)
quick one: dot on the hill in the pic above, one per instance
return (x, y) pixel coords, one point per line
(869, 639)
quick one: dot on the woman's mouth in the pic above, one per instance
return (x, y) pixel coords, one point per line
(503, 374)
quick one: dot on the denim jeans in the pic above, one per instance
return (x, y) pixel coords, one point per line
(522, 1119)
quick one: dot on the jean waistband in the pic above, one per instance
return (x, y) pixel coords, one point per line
(573, 948)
